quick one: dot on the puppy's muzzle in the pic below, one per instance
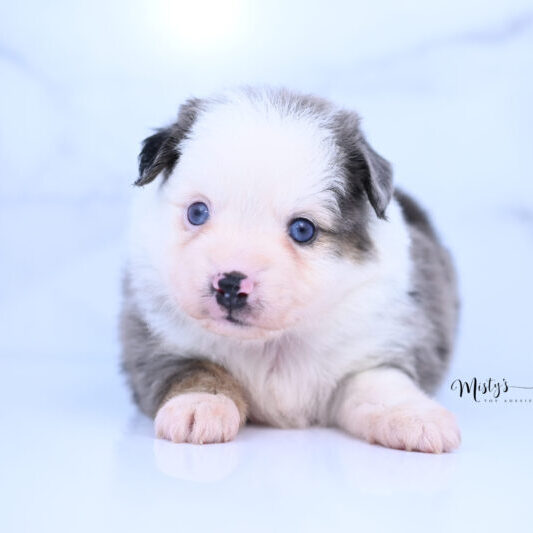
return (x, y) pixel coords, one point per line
(232, 290)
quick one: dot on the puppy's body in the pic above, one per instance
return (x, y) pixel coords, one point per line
(346, 330)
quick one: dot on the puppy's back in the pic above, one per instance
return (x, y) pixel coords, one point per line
(434, 292)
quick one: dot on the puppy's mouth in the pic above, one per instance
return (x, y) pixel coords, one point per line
(236, 321)
(241, 322)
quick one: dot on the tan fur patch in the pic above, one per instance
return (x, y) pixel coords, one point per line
(213, 379)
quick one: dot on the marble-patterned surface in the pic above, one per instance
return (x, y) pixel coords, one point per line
(444, 89)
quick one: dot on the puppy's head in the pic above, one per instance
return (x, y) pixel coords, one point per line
(261, 215)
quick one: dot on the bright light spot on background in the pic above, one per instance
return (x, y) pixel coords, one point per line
(202, 25)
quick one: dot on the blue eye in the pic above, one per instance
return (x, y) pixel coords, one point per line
(198, 213)
(302, 230)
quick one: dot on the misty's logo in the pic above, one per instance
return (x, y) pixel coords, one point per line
(481, 390)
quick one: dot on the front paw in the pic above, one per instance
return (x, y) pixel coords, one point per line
(424, 428)
(198, 418)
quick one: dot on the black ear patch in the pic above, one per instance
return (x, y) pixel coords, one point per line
(160, 152)
(378, 178)
(366, 170)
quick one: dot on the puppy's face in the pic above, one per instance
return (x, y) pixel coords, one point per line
(257, 227)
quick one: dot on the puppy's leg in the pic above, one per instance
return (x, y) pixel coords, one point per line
(385, 406)
(204, 404)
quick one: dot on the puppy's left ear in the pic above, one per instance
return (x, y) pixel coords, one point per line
(377, 177)
(367, 172)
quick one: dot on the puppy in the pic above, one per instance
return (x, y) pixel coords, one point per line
(275, 275)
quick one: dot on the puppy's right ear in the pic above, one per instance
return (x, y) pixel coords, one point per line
(160, 152)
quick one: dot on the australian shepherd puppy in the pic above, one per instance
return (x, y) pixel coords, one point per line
(276, 275)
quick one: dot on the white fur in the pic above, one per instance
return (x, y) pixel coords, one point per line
(198, 418)
(384, 406)
(323, 316)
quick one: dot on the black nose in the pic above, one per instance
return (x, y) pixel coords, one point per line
(229, 294)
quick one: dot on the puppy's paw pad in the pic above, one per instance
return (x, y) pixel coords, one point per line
(423, 428)
(198, 418)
